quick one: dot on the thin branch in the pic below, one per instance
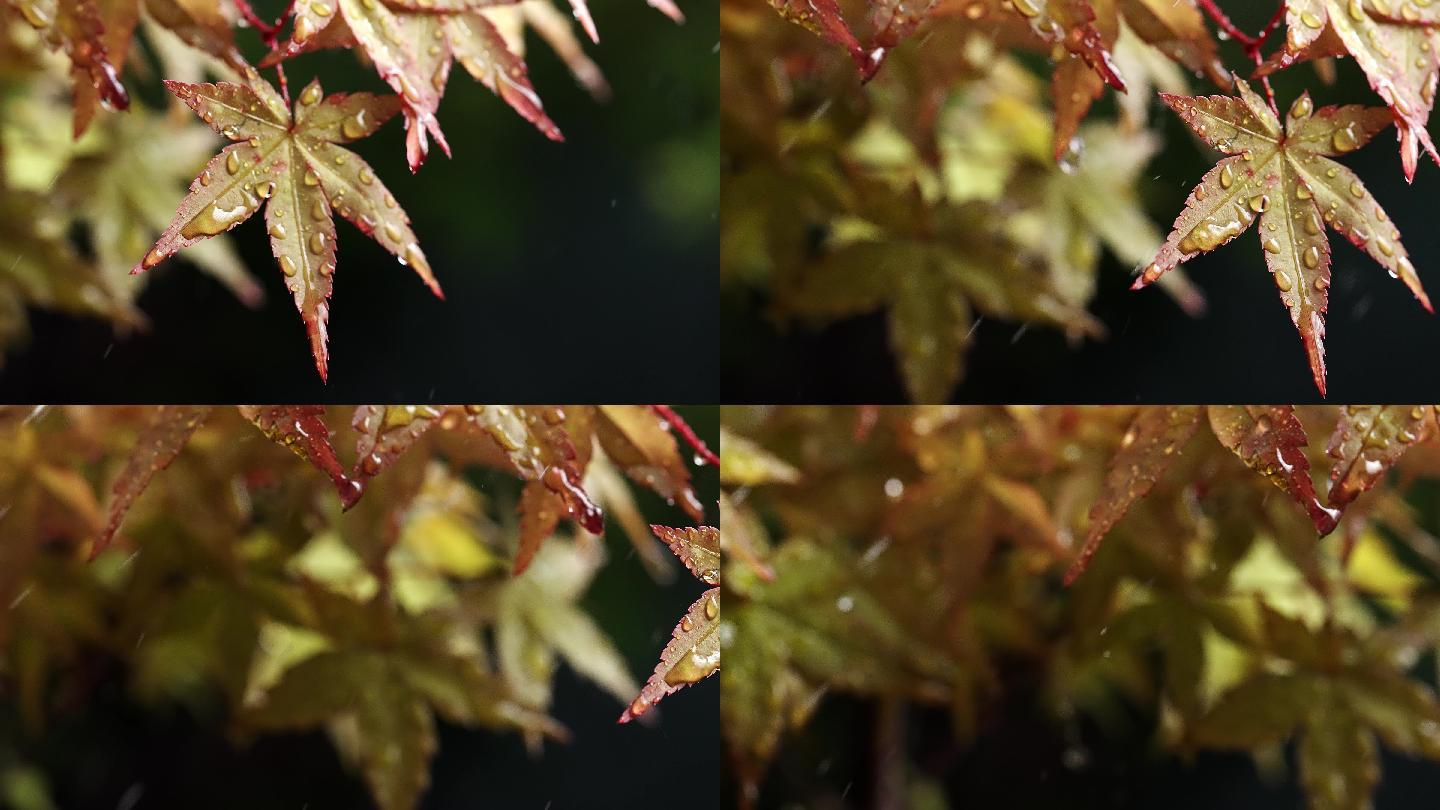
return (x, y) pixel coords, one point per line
(679, 425)
(1230, 29)
(1252, 45)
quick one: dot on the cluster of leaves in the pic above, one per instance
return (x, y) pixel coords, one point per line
(116, 180)
(916, 555)
(410, 595)
(948, 190)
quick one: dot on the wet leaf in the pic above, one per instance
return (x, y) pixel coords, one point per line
(823, 18)
(1367, 441)
(693, 652)
(1399, 58)
(639, 443)
(412, 48)
(302, 429)
(1286, 180)
(386, 433)
(291, 165)
(1271, 440)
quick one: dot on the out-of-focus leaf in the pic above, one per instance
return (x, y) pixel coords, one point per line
(1153, 440)
(155, 448)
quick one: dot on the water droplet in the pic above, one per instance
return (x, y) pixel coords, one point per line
(304, 28)
(1344, 139)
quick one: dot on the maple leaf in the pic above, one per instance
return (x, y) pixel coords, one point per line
(76, 27)
(693, 652)
(39, 266)
(935, 273)
(824, 18)
(538, 620)
(534, 442)
(1095, 204)
(538, 447)
(744, 463)
(1337, 708)
(412, 44)
(1286, 179)
(639, 442)
(123, 193)
(302, 428)
(96, 35)
(1399, 52)
(1271, 440)
(389, 688)
(1176, 29)
(1368, 440)
(558, 32)
(155, 448)
(291, 165)
(299, 427)
(1145, 453)
(816, 626)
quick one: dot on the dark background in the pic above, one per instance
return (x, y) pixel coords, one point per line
(1023, 761)
(570, 269)
(1244, 349)
(114, 754)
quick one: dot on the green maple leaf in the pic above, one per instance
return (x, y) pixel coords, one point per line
(934, 271)
(537, 620)
(1285, 179)
(124, 190)
(815, 626)
(1336, 706)
(291, 165)
(377, 685)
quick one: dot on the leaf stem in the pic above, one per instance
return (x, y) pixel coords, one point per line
(269, 34)
(678, 423)
(1252, 45)
(267, 31)
(1230, 29)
